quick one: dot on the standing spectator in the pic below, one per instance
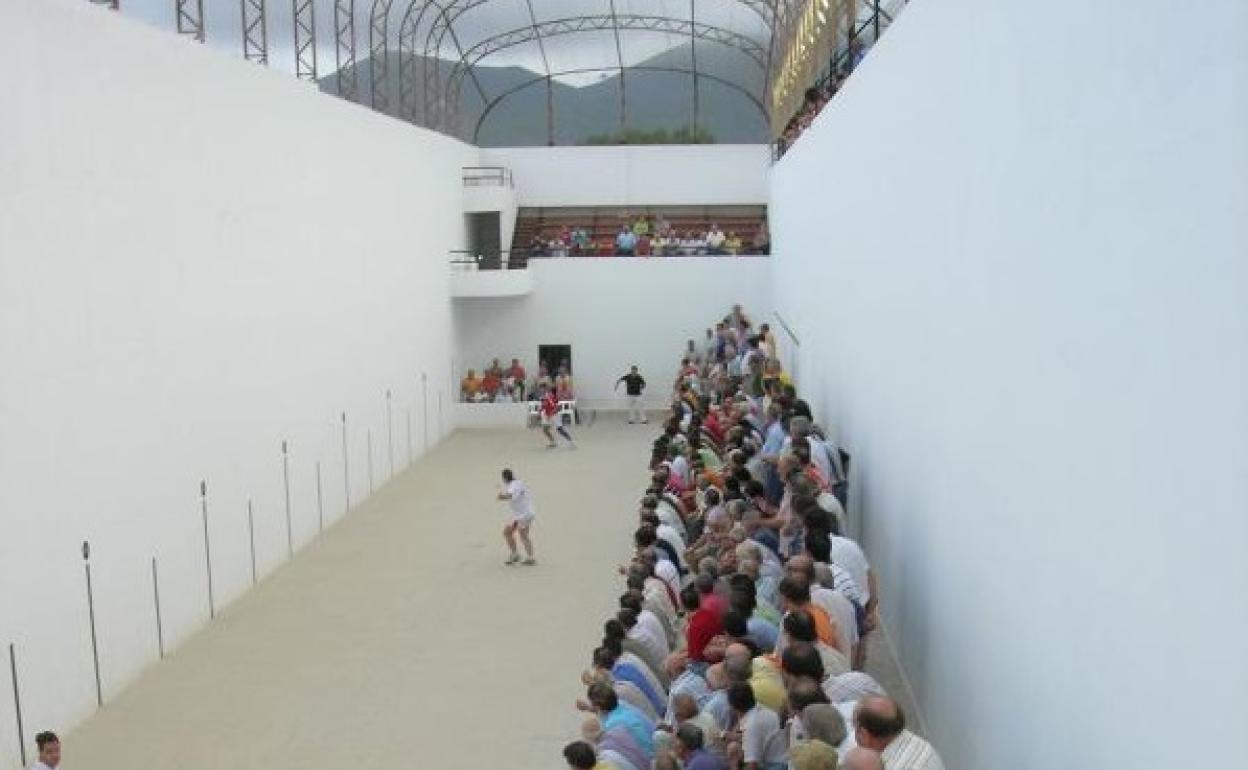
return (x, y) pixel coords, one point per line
(634, 384)
(733, 245)
(625, 242)
(49, 751)
(641, 226)
(517, 374)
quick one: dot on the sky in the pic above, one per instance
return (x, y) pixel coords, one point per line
(582, 50)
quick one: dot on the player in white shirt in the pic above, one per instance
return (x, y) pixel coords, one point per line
(520, 508)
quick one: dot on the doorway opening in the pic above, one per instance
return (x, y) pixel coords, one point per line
(555, 356)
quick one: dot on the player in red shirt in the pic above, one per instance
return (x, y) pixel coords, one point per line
(550, 419)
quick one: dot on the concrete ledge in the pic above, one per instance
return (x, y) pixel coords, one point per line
(469, 416)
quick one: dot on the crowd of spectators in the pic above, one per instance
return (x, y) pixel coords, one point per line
(817, 97)
(740, 633)
(512, 384)
(641, 236)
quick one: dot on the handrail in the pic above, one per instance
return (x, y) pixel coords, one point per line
(519, 259)
(487, 176)
(787, 329)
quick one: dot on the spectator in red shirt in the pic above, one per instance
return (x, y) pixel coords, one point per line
(704, 624)
(517, 374)
(491, 383)
(709, 600)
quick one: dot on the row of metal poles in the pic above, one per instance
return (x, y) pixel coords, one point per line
(251, 534)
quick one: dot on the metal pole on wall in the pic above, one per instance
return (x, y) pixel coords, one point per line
(369, 434)
(320, 500)
(251, 539)
(160, 632)
(424, 410)
(17, 704)
(409, 435)
(390, 430)
(95, 647)
(203, 506)
(346, 467)
(290, 537)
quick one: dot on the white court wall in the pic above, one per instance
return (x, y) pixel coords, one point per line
(199, 259)
(1020, 284)
(614, 312)
(637, 175)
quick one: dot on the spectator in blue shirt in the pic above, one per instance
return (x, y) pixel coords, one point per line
(625, 242)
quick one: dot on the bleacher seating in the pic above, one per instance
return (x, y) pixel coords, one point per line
(603, 223)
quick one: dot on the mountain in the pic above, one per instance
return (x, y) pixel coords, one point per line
(655, 99)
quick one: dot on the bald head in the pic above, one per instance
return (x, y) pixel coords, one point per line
(801, 564)
(859, 758)
(877, 721)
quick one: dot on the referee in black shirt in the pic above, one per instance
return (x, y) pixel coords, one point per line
(634, 384)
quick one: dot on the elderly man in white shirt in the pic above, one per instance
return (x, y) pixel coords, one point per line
(880, 725)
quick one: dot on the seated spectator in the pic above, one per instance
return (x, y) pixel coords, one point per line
(470, 386)
(612, 713)
(579, 240)
(692, 752)
(760, 745)
(537, 245)
(714, 239)
(813, 755)
(580, 756)
(616, 747)
(795, 595)
(641, 226)
(880, 725)
(851, 687)
(859, 758)
(733, 245)
(762, 241)
(704, 624)
(491, 383)
(658, 245)
(625, 242)
(609, 659)
(823, 722)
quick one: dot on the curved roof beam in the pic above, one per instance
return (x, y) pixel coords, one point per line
(476, 132)
(407, 60)
(378, 66)
(344, 50)
(511, 38)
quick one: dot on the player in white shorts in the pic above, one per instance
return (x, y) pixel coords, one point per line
(520, 506)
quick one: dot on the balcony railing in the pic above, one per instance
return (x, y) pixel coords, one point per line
(487, 176)
(519, 259)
